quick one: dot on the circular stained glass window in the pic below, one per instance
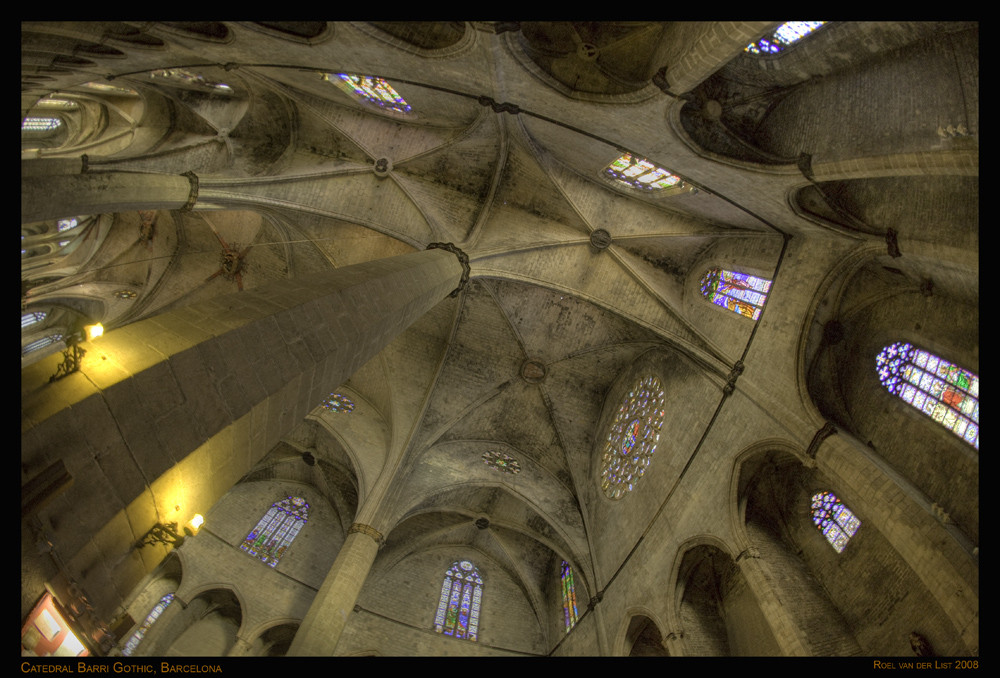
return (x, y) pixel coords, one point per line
(632, 437)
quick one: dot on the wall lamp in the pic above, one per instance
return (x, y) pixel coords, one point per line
(168, 534)
(73, 355)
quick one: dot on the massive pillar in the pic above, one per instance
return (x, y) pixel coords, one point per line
(52, 189)
(320, 630)
(166, 414)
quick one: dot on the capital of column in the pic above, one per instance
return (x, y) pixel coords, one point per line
(463, 259)
(368, 530)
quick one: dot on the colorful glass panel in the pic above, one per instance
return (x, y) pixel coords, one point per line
(40, 124)
(41, 343)
(501, 461)
(741, 293)
(837, 523)
(460, 602)
(153, 615)
(568, 596)
(639, 173)
(66, 224)
(786, 34)
(632, 437)
(124, 295)
(274, 533)
(189, 78)
(29, 319)
(943, 391)
(372, 90)
(338, 402)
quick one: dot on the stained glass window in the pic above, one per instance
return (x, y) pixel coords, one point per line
(370, 89)
(501, 461)
(739, 292)
(460, 602)
(942, 390)
(40, 124)
(29, 319)
(276, 530)
(187, 77)
(568, 596)
(837, 523)
(786, 34)
(41, 343)
(153, 615)
(338, 402)
(639, 173)
(66, 224)
(632, 437)
(125, 295)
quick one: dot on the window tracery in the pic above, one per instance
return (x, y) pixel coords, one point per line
(370, 89)
(338, 402)
(38, 124)
(153, 615)
(29, 319)
(40, 343)
(785, 35)
(274, 533)
(568, 596)
(632, 437)
(501, 461)
(943, 391)
(460, 602)
(741, 293)
(640, 173)
(837, 522)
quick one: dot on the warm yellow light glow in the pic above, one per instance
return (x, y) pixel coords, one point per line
(94, 331)
(197, 520)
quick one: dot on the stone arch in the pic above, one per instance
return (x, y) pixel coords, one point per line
(640, 635)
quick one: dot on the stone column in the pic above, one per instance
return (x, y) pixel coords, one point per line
(50, 189)
(941, 557)
(324, 623)
(165, 415)
(786, 632)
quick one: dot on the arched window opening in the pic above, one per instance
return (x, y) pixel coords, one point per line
(741, 293)
(370, 89)
(29, 319)
(67, 224)
(837, 523)
(276, 530)
(940, 389)
(40, 344)
(632, 437)
(785, 35)
(153, 615)
(36, 124)
(501, 461)
(460, 602)
(187, 77)
(338, 402)
(640, 173)
(568, 596)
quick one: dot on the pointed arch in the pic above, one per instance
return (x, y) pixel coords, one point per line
(140, 632)
(568, 596)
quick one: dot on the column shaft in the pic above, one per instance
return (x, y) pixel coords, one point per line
(324, 623)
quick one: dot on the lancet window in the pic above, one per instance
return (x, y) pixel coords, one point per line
(943, 391)
(837, 522)
(568, 596)
(153, 615)
(274, 533)
(785, 35)
(640, 173)
(632, 437)
(460, 602)
(40, 343)
(741, 293)
(370, 89)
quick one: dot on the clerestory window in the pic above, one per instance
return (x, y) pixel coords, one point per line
(460, 602)
(785, 35)
(837, 522)
(741, 293)
(274, 533)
